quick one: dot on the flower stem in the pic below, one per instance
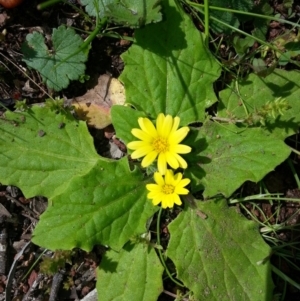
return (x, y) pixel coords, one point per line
(159, 251)
(206, 21)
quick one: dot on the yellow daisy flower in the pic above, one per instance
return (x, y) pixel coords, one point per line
(167, 189)
(160, 142)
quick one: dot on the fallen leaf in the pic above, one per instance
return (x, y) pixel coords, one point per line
(94, 106)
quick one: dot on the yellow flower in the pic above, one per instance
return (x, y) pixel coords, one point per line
(161, 141)
(167, 189)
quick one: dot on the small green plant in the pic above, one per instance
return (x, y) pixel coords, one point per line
(168, 76)
(52, 265)
(65, 61)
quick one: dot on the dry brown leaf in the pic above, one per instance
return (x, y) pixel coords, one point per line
(94, 106)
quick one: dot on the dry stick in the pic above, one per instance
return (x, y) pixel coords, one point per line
(24, 73)
(3, 246)
(56, 283)
(21, 205)
(34, 285)
(12, 273)
(174, 296)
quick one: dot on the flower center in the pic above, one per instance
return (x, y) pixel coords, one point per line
(160, 145)
(168, 189)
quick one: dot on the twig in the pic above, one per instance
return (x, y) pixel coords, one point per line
(56, 283)
(24, 73)
(3, 248)
(12, 273)
(175, 296)
(34, 285)
(21, 205)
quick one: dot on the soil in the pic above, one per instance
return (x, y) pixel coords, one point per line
(29, 272)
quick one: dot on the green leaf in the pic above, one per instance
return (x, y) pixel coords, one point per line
(218, 257)
(90, 6)
(106, 206)
(293, 48)
(133, 274)
(228, 17)
(135, 13)
(261, 25)
(259, 65)
(55, 72)
(241, 45)
(41, 151)
(164, 74)
(223, 157)
(127, 12)
(254, 91)
(93, 200)
(124, 120)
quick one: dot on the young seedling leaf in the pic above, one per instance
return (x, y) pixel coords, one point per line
(55, 66)
(221, 257)
(42, 151)
(134, 273)
(254, 91)
(127, 12)
(225, 156)
(169, 70)
(107, 205)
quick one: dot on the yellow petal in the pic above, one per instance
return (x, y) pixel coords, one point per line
(162, 163)
(169, 176)
(172, 161)
(137, 144)
(178, 136)
(180, 149)
(175, 126)
(164, 203)
(183, 182)
(181, 161)
(158, 178)
(147, 126)
(176, 199)
(141, 152)
(169, 200)
(177, 179)
(159, 123)
(153, 195)
(153, 187)
(149, 158)
(166, 127)
(141, 135)
(156, 201)
(180, 190)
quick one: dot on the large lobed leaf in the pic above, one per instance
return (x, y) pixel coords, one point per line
(219, 257)
(225, 156)
(127, 12)
(169, 70)
(93, 200)
(254, 91)
(133, 274)
(41, 151)
(106, 206)
(55, 66)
